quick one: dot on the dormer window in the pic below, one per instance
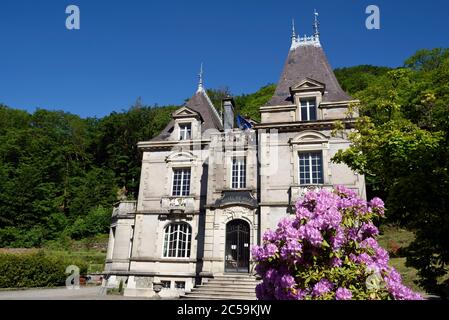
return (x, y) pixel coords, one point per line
(308, 109)
(185, 131)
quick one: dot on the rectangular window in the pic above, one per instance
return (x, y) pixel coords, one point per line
(181, 182)
(180, 285)
(166, 284)
(185, 131)
(239, 173)
(311, 168)
(308, 109)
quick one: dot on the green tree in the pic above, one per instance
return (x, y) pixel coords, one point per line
(402, 146)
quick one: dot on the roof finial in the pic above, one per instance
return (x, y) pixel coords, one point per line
(200, 82)
(316, 25)
(293, 30)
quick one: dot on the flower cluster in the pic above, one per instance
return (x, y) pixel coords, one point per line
(328, 251)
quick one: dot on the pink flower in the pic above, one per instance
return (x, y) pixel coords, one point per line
(321, 287)
(316, 243)
(343, 294)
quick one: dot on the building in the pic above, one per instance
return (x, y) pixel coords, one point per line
(209, 189)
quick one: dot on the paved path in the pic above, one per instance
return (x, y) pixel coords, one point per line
(84, 293)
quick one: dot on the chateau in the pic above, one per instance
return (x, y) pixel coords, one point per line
(210, 188)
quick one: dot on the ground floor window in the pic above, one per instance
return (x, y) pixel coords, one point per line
(177, 240)
(180, 285)
(166, 284)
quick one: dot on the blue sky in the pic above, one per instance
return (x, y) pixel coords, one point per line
(153, 49)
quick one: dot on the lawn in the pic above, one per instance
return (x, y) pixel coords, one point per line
(91, 250)
(393, 238)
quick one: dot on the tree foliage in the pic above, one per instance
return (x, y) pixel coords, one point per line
(355, 79)
(402, 145)
(59, 174)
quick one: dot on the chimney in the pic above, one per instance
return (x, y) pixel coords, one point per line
(228, 116)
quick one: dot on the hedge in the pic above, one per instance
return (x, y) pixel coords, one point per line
(33, 270)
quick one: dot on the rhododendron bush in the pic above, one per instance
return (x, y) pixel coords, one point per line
(328, 251)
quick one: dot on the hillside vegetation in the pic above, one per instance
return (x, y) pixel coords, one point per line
(60, 174)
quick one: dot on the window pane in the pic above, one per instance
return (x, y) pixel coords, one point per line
(312, 110)
(304, 116)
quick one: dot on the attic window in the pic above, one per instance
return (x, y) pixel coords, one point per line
(185, 131)
(308, 109)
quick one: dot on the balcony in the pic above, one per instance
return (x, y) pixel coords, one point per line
(178, 204)
(297, 192)
(124, 208)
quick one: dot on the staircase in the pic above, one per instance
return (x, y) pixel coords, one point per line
(225, 287)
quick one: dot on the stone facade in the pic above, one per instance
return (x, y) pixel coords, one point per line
(209, 190)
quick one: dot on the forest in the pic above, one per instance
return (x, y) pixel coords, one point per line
(60, 174)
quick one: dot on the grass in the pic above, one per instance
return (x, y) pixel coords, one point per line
(409, 274)
(393, 239)
(92, 251)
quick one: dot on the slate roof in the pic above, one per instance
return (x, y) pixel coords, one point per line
(307, 61)
(201, 103)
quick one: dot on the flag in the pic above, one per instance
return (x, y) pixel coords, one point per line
(242, 123)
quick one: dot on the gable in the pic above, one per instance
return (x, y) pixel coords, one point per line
(185, 112)
(308, 84)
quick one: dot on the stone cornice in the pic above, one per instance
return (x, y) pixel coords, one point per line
(149, 274)
(319, 124)
(291, 107)
(163, 260)
(338, 104)
(147, 145)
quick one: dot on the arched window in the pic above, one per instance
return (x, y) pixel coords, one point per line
(177, 239)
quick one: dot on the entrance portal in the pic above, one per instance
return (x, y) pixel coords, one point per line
(237, 246)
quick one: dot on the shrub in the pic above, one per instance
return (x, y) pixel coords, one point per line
(35, 270)
(328, 251)
(97, 221)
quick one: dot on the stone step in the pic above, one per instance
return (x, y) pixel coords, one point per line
(234, 275)
(194, 296)
(218, 289)
(225, 287)
(230, 285)
(234, 279)
(223, 293)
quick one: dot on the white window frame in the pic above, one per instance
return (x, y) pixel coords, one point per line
(241, 181)
(168, 230)
(182, 169)
(308, 108)
(309, 161)
(185, 128)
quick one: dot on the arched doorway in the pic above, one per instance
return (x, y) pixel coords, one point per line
(237, 246)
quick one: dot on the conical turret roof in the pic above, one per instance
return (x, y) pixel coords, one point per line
(307, 59)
